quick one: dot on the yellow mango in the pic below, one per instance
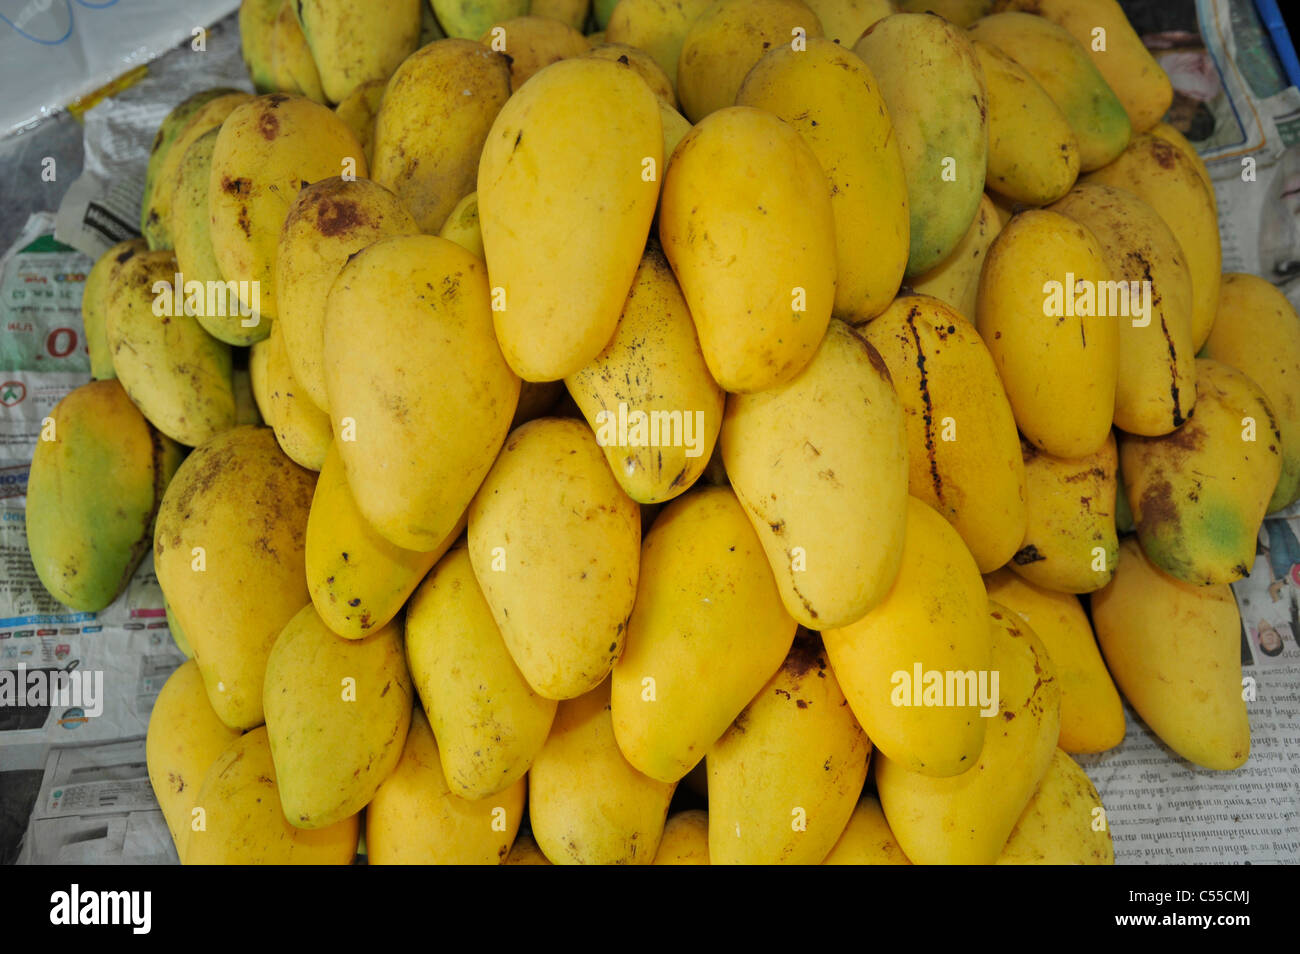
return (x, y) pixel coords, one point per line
(747, 224)
(572, 12)
(293, 68)
(649, 396)
(1199, 495)
(820, 465)
(185, 737)
(1037, 312)
(967, 818)
(352, 45)
(1180, 142)
(685, 840)
(956, 280)
(525, 851)
(702, 573)
(257, 356)
(256, 21)
(302, 429)
(930, 621)
(584, 139)
(831, 98)
(1070, 538)
(785, 778)
(657, 26)
(268, 150)
(963, 453)
(532, 44)
(469, 18)
(243, 821)
(932, 84)
(462, 228)
(416, 819)
(676, 126)
(867, 839)
(587, 804)
(429, 134)
(1175, 652)
(489, 722)
(642, 62)
(228, 552)
(1092, 716)
(961, 13)
(94, 305)
(328, 222)
(1063, 824)
(1156, 388)
(415, 444)
(358, 111)
(560, 582)
(1257, 332)
(846, 20)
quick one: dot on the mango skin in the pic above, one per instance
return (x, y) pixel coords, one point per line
(560, 583)
(1155, 391)
(1175, 652)
(92, 495)
(1199, 495)
(820, 465)
(352, 46)
(358, 580)
(244, 822)
(533, 43)
(956, 280)
(412, 481)
(293, 68)
(525, 851)
(1060, 371)
(267, 151)
(462, 228)
(832, 99)
(1061, 65)
(416, 819)
(1176, 139)
(702, 572)
(657, 26)
(490, 722)
(1057, 826)
(685, 840)
(795, 753)
(582, 139)
(867, 839)
(94, 305)
(1071, 505)
(587, 804)
(963, 452)
(932, 83)
(931, 616)
(1092, 715)
(747, 224)
(967, 819)
(245, 504)
(337, 713)
(428, 134)
(185, 737)
(301, 428)
(468, 19)
(358, 111)
(256, 20)
(846, 20)
(1257, 331)
(643, 63)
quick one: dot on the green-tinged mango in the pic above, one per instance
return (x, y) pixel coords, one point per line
(94, 305)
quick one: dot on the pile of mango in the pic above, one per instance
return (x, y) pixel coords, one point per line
(742, 395)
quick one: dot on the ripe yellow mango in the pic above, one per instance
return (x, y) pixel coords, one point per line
(489, 722)
(329, 222)
(352, 45)
(469, 18)
(293, 68)
(583, 140)
(185, 738)
(956, 280)
(1037, 312)
(1033, 155)
(533, 43)
(1070, 538)
(1092, 716)
(301, 428)
(685, 840)
(657, 26)
(429, 134)
(587, 803)
(652, 382)
(831, 98)
(1156, 388)
(937, 100)
(820, 465)
(1199, 495)
(963, 453)
(417, 819)
(703, 573)
(1175, 651)
(784, 779)
(94, 305)
(358, 580)
(228, 552)
(846, 20)
(358, 111)
(555, 545)
(962, 13)
(1176, 139)
(966, 819)
(1257, 332)
(1162, 176)
(461, 226)
(1063, 824)
(1061, 66)
(525, 851)
(416, 444)
(867, 839)
(268, 150)
(643, 63)
(932, 620)
(243, 823)
(747, 223)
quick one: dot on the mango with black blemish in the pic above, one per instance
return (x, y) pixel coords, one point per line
(94, 305)
(353, 45)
